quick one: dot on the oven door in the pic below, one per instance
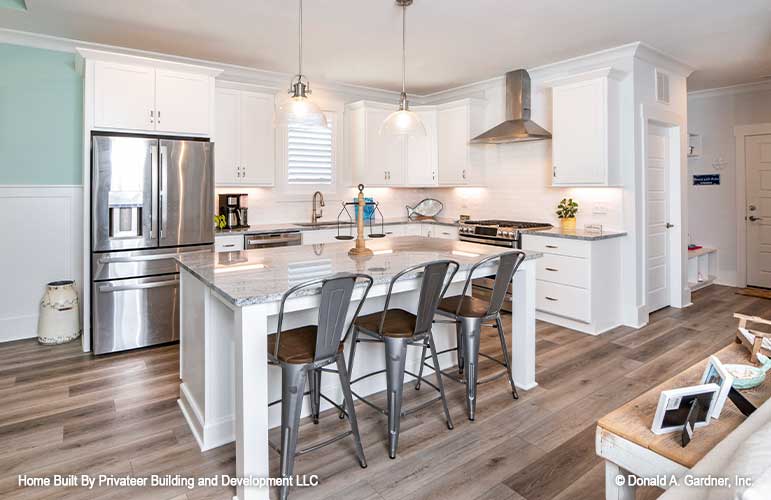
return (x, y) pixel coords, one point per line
(253, 241)
(488, 240)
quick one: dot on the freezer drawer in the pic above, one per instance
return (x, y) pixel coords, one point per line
(136, 263)
(135, 313)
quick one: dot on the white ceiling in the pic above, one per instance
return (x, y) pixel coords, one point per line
(450, 42)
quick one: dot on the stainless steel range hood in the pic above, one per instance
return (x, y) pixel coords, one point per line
(518, 127)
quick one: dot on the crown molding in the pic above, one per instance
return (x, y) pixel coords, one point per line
(662, 60)
(742, 88)
(268, 80)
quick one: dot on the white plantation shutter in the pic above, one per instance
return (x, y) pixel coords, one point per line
(311, 153)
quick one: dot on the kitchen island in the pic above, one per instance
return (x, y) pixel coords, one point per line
(229, 305)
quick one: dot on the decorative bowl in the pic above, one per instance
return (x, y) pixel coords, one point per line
(746, 376)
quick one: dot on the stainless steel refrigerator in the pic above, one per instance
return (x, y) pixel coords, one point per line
(151, 199)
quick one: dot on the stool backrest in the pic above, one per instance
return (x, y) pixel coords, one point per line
(434, 283)
(336, 293)
(508, 264)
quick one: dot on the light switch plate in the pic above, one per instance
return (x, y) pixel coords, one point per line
(599, 209)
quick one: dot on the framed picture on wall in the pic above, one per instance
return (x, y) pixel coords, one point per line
(716, 373)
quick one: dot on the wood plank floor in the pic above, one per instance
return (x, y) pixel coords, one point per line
(65, 412)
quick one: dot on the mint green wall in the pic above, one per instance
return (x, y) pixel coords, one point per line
(41, 117)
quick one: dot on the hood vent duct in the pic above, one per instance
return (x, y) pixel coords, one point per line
(518, 126)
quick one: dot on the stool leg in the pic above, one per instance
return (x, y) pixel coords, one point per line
(395, 350)
(506, 358)
(459, 343)
(471, 328)
(314, 380)
(354, 343)
(348, 397)
(439, 379)
(292, 390)
(422, 362)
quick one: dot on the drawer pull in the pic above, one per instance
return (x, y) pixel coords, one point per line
(551, 269)
(551, 298)
(552, 246)
(229, 246)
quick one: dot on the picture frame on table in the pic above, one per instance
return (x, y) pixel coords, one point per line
(675, 405)
(716, 373)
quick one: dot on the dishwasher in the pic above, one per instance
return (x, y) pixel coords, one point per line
(269, 240)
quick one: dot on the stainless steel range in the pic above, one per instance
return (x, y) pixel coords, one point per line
(502, 233)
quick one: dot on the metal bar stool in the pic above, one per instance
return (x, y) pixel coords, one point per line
(470, 314)
(397, 329)
(302, 353)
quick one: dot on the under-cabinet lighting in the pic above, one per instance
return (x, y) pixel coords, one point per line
(382, 252)
(464, 254)
(244, 267)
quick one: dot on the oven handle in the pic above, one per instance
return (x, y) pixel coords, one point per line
(488, 241)
(254, 241)
(141, 286)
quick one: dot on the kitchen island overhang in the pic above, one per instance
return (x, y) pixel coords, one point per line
(229, 305)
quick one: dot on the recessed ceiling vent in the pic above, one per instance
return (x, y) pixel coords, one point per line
(662, 87)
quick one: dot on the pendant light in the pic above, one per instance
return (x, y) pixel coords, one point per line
(403, 121)
(298, 109)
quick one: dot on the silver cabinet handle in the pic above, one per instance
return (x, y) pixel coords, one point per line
(551, 269)
(141, 286)
(159, 116)
(552, 246)
(551, 298)
(151, 115)
(463, 173)
(554, 171)
(229, 246)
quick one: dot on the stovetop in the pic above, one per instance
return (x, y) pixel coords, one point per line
(508, 224)
(498, 228)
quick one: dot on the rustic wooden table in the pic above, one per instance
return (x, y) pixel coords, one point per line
(626, 442)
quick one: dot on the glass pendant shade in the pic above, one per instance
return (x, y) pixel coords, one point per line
(403, 122)
(300, 111)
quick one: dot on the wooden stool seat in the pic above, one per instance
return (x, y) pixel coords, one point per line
(467, 306)
(398, 323)
(297, 346)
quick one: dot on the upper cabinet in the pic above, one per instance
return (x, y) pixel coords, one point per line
(136, 94)
(585, 130)
(458, 161)
(245, 138)
(442, 157)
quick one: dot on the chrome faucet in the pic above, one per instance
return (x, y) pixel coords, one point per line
(317, 213)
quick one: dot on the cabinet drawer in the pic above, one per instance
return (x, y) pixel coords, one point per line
(563, 300)
(560, 246)
(563, 270)
(228, 243)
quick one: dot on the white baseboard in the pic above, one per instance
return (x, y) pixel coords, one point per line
(49, 250)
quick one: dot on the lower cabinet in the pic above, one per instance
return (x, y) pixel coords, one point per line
(577, 282)
(229, 243)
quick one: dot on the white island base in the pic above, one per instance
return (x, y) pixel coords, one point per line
(227, 382)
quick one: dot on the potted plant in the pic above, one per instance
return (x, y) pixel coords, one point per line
(566, 211)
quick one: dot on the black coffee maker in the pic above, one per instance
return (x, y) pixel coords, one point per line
(234, 207)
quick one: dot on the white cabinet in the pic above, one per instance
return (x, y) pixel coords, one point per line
(228, 242)
(376, 160)
(577, 283)
(244, 152)
(438, 231)
(182, 102)
(137, 94)
(316, 236)
(124, 96)
(443, 156)
(585, 131)
(420, 162)
(458, 161)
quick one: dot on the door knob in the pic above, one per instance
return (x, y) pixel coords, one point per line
(752, 208)
(670, 225)
(753, 218)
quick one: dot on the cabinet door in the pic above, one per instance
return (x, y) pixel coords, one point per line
(579, 133)
(421, 153)
(124, 96)
(182, 102)
(226, 137)
(384, 153)
(452, 142)
(257, 144)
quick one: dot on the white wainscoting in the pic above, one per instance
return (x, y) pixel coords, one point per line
(42, 242)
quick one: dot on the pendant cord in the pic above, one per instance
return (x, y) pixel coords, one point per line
(300, 37)
(404, 48)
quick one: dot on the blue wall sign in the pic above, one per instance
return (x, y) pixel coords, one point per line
(706, 180)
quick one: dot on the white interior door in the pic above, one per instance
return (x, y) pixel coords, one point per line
(657, 223)
(758, 151)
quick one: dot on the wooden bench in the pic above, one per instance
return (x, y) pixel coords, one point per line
(625, 440)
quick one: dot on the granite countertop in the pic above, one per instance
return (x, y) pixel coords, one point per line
(577, 234)
(292, 226)
(259, 276)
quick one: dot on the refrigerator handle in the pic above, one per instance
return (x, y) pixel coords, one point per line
(154, 180)
(162, 190)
